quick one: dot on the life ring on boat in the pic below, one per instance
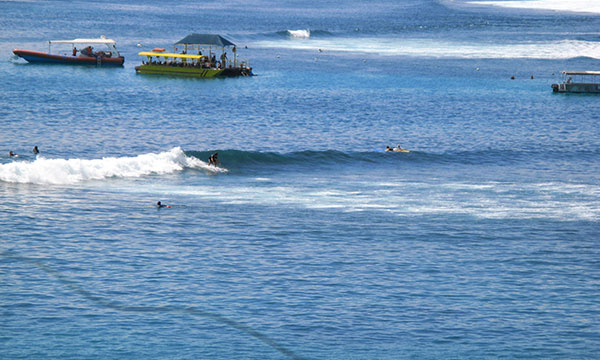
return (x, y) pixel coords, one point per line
(158, 49)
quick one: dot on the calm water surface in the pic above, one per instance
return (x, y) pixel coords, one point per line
(309, 241)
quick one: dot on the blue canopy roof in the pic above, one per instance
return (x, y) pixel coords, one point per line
(205, 39)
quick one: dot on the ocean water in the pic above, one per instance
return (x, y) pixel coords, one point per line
(309, 241)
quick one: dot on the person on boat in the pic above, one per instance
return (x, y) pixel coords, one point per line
(74, 51)
(87, 51)
(213, 61)
(398, 148)
(213, 159)
(159, 205)
(223, 59)
(35, 150)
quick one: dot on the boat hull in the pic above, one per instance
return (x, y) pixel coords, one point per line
(178, 71)
(576, 88)
(41, 57)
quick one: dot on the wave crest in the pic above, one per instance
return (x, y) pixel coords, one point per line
(299, 34)
(70, 171)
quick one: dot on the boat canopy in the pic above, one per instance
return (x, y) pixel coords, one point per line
(101, 40)
(170, 55)
(595, 73)
(205, 39)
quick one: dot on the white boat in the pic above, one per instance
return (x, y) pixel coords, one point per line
(578, 82)
(85, 55)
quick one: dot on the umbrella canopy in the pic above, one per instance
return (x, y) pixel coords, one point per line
(205, 39)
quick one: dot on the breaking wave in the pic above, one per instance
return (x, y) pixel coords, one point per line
(583, 6)
(436, 48)
(301, 33)
(70, 171)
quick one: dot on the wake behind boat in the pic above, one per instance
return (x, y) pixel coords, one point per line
(85, 55)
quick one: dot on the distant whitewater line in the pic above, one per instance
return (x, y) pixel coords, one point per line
(586, 6)
(434, 48)
(70, 171)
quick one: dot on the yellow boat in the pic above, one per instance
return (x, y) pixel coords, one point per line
(196, 65)
(176, 64)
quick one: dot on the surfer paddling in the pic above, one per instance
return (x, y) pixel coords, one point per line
(396, 149)
(160, 205)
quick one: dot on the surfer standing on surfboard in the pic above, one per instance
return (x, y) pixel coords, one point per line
(213, 159)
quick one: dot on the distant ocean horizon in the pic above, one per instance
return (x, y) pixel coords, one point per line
(309, 240)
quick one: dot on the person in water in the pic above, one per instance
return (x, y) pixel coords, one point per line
(388, 149)
(35, 150)
(11, 154)
(159, 205)
(214, 159)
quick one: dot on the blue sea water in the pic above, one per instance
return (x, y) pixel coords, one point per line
(309, 241)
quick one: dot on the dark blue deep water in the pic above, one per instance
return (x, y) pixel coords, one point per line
(309, 241)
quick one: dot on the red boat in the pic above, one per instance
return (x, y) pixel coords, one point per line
(85, 55)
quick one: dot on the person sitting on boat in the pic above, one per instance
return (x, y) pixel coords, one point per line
(213, 159)
(87, 51)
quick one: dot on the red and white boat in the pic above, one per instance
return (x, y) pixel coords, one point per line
(86, 54)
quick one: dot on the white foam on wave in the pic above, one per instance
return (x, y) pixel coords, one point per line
(299, 34)
(488, 200)
(434, 48)
(583, 6)
(71, 171)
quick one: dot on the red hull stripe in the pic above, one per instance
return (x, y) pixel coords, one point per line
(37, 56)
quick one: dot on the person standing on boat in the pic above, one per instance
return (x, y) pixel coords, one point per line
(223, 59)
(74, 51)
